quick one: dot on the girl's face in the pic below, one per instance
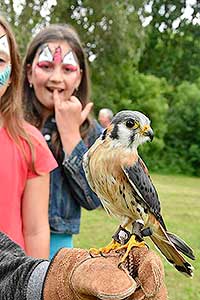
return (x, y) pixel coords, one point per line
(5, 67)
(55, 66)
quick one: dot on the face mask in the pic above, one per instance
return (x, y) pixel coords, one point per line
(5, 75)
(4, 47)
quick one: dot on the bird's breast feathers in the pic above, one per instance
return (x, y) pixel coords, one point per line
(109, 182)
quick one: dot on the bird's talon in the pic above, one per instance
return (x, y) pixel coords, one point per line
(102, 254)
(117, 250)
(91, 255)
(104, 250)
(93, 252)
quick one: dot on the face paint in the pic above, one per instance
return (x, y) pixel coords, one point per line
(70, 61)
(45, 55)
(57, 58)
(5, 75)
(4, 46)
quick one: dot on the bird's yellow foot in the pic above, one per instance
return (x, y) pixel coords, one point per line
(129, 245)
(113, 245)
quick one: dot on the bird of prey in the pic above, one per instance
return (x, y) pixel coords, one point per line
(119, 177)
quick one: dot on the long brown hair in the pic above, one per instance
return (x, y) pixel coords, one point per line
(11, 103)
(32, 107)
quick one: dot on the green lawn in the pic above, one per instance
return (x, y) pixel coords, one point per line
(180, 202)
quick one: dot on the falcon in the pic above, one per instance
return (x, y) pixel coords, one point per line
(119, 177)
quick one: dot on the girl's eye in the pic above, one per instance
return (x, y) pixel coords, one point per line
(70, 68)
(44, 65)
(2, 61)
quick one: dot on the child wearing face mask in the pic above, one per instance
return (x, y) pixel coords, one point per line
(25, 160)
(56, 100)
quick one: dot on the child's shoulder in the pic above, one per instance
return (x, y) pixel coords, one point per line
(34, 132)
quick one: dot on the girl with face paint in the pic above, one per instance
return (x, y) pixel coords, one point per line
(56, 100)
(25, 160)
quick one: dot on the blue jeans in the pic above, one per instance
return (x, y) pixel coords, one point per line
(58, 241)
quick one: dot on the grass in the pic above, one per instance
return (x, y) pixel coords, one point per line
(180, 202)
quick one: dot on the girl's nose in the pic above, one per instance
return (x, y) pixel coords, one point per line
(56, 74)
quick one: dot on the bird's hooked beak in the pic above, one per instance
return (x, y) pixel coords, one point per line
(148, 131)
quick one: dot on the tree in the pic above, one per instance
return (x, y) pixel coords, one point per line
(182, 139)
(173, 42)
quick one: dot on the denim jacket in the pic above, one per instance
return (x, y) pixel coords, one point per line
(69, 190)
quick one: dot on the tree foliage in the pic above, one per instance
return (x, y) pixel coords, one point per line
(182, 139)
(173, 42)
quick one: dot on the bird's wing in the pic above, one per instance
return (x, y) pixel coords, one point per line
(143, 187)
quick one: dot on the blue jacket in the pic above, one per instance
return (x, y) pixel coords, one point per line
(69, 190)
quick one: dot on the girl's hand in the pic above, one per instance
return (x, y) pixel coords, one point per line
(69, 116)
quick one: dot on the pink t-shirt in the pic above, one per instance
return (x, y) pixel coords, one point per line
(14, 172)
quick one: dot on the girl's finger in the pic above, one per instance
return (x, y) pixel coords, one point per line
(56, 97)
(85, 112)
(74, 99)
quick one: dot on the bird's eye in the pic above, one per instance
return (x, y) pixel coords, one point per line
(130, 123)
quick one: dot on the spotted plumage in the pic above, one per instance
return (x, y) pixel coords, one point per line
(120, 178)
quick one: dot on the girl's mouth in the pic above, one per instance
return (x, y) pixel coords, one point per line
(51, 90)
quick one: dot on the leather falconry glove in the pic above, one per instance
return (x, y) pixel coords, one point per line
(74, 275)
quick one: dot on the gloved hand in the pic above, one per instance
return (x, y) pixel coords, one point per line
(75, 275)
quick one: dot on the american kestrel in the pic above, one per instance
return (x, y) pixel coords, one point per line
(120, 179)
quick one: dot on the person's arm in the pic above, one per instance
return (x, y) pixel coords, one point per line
(73, 168)
(35, 216)
(74, 274)
(15, 270)
(69, 116)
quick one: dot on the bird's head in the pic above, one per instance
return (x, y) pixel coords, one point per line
(129, 129)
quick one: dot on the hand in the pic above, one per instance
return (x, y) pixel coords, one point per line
(69, 117)
(74, 274)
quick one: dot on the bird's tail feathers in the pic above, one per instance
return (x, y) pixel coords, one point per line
(181, 245)
(170, 251)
